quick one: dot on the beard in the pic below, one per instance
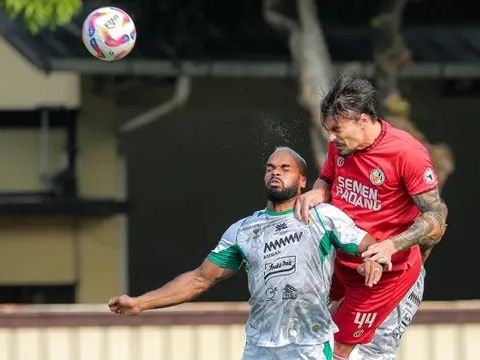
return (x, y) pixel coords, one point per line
(343, 150)
(280, 195)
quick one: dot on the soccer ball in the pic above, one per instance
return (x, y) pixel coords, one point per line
(109, 33)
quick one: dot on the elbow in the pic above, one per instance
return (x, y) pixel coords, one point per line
(200, 284)
(444, 211)
(444, 224)
(440, 236)
(434, 238)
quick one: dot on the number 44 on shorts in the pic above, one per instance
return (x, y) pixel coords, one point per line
(364, 319)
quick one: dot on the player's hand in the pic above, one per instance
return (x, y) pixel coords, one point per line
(306, 201)
(372, 272)
(381, 252)
(124, 305)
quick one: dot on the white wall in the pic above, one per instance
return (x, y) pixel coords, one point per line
(22, 86)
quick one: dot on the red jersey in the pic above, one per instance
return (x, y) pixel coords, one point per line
(374, 186)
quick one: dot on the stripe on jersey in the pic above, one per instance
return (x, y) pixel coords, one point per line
(350, 248)
(228, 258)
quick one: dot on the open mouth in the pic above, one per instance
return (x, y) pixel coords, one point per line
(275, 182)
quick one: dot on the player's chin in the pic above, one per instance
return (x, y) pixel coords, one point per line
(275, 194)
(345, 152)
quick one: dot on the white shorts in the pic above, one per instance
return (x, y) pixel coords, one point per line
(387, 336)
(295, 352)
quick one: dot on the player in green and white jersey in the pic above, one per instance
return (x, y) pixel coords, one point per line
(289, 266)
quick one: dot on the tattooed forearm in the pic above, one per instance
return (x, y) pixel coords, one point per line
(429, 226)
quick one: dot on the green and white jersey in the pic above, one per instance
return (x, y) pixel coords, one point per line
(289, 267)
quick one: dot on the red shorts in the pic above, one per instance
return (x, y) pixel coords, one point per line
(364, 308)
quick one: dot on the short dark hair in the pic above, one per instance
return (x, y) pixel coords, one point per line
(349, 97)
(302, 164)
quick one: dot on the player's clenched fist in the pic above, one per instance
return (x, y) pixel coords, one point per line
(124, 305)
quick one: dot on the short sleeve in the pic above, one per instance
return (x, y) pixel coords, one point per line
(345, 234)
(416, 170)
(328, 168)
(227, 254)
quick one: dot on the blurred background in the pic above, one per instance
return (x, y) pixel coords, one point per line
(117, 176)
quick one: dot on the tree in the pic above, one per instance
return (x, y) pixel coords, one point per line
(310, 54)
(38, 14)
(390, 56)
(309, 51)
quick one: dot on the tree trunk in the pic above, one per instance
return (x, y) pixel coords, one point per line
(390, 57)
(312, 60)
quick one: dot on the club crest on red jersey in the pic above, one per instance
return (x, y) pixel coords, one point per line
(429, 176)
(377, 177)
(340, 161)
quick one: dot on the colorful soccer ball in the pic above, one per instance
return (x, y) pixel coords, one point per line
(109, 33)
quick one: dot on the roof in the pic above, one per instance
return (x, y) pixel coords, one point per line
(455, 45)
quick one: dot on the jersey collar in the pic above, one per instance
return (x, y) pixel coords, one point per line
(278, 213)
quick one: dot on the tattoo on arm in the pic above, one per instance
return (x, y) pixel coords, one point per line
(429, 226)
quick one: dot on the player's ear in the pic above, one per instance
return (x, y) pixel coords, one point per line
(364, 119)
(303, 182)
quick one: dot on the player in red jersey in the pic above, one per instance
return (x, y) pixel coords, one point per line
(383, 178)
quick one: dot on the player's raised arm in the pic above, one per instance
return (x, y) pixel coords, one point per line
(185, 287)
(426, 231)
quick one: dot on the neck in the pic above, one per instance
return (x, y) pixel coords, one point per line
(371, 134)
(281, 206)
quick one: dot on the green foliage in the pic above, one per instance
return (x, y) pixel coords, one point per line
(39, 14)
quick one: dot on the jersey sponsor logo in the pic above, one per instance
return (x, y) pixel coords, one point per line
(377, 177)
(272, 254)
(358, 194)
(283, 266)
(257, 230)
(340, 161)
(364, 319)
(270, 293)
(280, 227)
(289, 292)
(283, 241)
(429, 176)
(358, 333)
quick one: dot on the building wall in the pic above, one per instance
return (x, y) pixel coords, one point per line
(84, 252)
(200, 165)
(36, 251)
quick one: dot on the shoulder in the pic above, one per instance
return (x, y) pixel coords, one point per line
(406, 142)
(234, 228)
(325, 208)
(329, 212)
